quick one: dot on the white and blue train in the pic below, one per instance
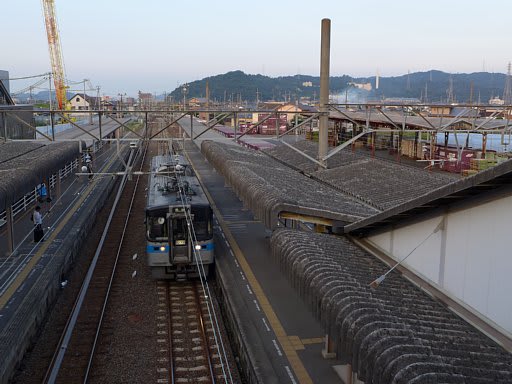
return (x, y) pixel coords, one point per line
(179, 221)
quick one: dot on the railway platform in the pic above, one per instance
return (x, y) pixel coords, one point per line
(31, 277)
(275, 330)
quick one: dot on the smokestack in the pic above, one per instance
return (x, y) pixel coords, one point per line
(324, 89)
(207, 94)
(377, 80)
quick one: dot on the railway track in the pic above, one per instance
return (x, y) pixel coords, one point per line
(103, 341)
(73, 357)
(190, 344)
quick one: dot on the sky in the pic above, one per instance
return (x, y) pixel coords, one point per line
(125, 46)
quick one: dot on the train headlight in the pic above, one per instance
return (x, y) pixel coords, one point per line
(162, 248)
(197, 247)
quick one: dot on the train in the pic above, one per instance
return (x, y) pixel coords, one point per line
(179, 221)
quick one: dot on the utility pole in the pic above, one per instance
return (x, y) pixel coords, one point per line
(90, 106)
(50, 89)
(507, 92)
(98, 98)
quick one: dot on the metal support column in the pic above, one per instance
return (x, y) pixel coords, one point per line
(323, 145)
(374, 137)
(99, 125)
(52, 122)
(399, 146)
(10, 229)
(191, 126)
(4, 120)
(277, 125)
(80, 157)
(328, 350)
(235, 123)
(57, 187)
(146, 121)
(433, 138)
(417, 140)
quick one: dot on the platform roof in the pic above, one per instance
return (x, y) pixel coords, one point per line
(24, 165)
(416, 122)
(471, 186)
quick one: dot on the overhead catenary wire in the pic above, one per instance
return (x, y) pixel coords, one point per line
(375, 283)
(204, 283)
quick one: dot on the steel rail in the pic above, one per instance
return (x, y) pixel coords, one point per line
(169, 328)
(203, 333)
(204, 284)
(54, 368)
(102, 314)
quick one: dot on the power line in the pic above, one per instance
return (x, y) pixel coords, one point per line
(27, 77)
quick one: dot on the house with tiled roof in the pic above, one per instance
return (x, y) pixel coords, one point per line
(84, 102)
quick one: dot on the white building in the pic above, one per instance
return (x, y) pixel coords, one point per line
(84, 102)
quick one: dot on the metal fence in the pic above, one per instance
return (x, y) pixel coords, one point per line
(27, 202)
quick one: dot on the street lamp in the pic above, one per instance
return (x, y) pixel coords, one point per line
(184, 90)
(89, 102)
(121, 103)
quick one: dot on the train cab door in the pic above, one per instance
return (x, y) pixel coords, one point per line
(179, 240)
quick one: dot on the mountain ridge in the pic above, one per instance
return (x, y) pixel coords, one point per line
(430, 86)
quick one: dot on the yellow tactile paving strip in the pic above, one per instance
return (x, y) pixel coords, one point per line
(4, 299)
(289, 348)
(299, 344)
(314, 340)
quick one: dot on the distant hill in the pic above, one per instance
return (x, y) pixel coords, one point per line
(431, 86)
(41, 96)
(238, 85)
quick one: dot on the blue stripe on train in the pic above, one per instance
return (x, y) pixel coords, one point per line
(156, 249)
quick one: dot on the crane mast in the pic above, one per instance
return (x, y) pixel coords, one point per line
(54, 47)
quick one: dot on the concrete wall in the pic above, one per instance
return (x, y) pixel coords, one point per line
(468, 257)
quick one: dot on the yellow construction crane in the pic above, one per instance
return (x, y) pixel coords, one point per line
(52, 30)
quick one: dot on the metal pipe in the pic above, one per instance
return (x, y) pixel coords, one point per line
(99, 125)
(10, 229)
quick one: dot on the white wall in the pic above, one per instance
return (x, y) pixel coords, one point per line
(82, 104)
(470, 258)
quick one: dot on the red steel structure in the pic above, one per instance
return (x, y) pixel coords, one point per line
(54, 47)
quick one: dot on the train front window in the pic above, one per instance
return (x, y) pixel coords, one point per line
(157, 228)
(202, 222)
(179, 231)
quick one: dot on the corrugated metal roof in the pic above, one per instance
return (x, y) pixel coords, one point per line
(24, 165)
(489, 179)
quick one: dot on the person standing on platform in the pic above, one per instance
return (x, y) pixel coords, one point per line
(42, 192)
(38, 224)
(88, 163)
